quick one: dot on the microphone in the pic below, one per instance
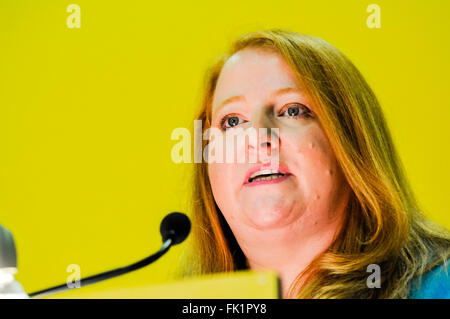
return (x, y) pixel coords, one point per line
(174, 229)
(9, 287)
(175, 226)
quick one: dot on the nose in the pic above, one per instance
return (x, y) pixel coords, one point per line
(268, 138)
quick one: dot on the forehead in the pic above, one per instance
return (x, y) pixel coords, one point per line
(253, 73)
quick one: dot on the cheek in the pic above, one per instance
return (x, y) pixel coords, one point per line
(313, 161)
(218, 174)
(221, 176)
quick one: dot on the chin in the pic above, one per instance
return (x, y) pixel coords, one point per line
(270, 210)
(270, 217)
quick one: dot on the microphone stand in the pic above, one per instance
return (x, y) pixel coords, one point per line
(108, 274)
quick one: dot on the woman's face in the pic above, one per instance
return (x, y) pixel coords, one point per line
(310, 186)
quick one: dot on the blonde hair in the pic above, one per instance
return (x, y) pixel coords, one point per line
(383, 224)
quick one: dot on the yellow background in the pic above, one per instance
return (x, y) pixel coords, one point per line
(86, 114)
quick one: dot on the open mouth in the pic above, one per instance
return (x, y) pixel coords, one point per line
(265, 175)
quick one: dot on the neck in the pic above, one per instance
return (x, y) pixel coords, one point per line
(289, 250)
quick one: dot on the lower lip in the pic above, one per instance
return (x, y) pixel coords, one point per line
(271, 181)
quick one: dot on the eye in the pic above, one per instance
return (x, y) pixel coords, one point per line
(296, 110)
(230, 121)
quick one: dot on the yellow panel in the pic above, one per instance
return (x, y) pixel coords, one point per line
(238, 285)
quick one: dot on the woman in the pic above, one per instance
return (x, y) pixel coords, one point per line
(335, 201)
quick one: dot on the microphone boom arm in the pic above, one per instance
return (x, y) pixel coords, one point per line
(108, 274)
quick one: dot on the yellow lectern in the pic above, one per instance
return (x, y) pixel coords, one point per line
(235, 285)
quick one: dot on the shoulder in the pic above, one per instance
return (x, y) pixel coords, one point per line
(434, 284)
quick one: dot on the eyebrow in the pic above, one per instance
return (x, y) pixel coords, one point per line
(241, 97)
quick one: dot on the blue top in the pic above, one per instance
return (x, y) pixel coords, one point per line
(435, 284)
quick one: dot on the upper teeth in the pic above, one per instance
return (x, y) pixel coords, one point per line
(265, 172)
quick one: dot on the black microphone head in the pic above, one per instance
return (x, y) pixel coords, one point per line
(175, 226)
